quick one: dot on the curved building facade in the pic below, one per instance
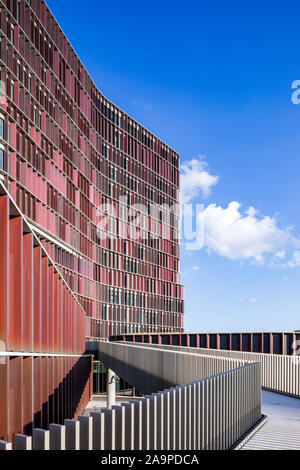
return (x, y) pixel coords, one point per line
(99, 190)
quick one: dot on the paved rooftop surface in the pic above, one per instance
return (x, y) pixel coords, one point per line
(282, 429)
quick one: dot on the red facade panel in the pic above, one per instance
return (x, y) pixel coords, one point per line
(35, 304)
(37, 392)
(27, 318)
(4, 398)
(37, 299)
(51, 301)
(15, 284)
(45, 305)
(4, 272)
(27, 394)
(15, 396)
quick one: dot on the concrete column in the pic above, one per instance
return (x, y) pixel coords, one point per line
(86, 432)
(22, 442)
(41, 439)
(98, 430)
(111, 388)
(72, 434)
(57, 437)
(5, 445)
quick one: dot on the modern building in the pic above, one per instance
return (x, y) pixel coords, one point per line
(76, 165)
(89, 250)
(89, 239)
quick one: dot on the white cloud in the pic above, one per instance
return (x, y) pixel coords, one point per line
(280, 254)
(236, 234)
(253, 300)
(295, 261)
(196, 179)
(245, 235)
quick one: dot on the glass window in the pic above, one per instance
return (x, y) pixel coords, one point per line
(1, 158)
(12, 91)
(1, 126)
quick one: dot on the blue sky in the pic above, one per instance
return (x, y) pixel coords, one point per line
(214, 79)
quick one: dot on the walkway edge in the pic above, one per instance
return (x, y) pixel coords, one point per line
(239, 444)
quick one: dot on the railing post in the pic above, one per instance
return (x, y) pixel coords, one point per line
(86, 432)
(5, 445)
(166, 418)
(193, 416)
(57, 437)
(160, 421)
(110, 429)
(129, 425)
(153, 422)
(72, 434)
(173, 419)
(120, 427)
(146, 424)
(183, 407)
(138, 425)
(178, 411)
(98, 430)
(41, 439)
(22, 442)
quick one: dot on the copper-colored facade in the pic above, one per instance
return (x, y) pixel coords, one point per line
(39, 316)
(67, 151)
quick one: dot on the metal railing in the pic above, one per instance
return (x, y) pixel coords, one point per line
(279, 373)
(152, 369)
(212, 413)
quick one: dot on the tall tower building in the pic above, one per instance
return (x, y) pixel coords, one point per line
(99, 190)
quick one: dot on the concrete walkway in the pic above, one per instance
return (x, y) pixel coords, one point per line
(282, 429)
